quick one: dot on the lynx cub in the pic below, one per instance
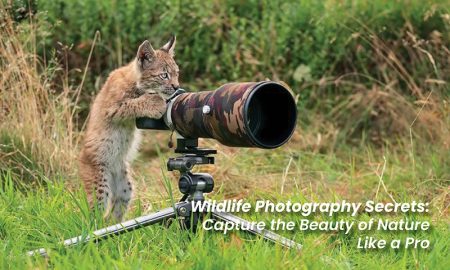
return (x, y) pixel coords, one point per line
(111, 140)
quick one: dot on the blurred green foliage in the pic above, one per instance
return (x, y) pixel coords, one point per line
(221, 41)
(364, 65)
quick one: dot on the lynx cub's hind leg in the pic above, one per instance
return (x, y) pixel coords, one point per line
(104, 194)
(123, 194)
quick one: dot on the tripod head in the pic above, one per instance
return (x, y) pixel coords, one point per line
(192, 185)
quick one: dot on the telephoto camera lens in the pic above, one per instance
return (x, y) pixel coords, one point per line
(254, 114)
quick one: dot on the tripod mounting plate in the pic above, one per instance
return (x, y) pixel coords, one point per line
(192, 155)
(190, 146)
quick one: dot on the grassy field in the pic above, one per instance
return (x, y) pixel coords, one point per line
(371, 83)
(46, 214)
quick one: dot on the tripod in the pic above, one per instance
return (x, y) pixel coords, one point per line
(192, 186)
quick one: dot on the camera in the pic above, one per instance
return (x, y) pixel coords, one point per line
(248, 114)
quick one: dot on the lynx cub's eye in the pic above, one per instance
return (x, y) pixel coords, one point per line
(164, 76)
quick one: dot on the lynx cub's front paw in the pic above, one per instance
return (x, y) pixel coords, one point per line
(156, 106)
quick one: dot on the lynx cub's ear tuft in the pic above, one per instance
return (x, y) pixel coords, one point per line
(145, 54)
(169, 47)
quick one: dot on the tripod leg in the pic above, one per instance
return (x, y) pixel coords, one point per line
(119, 228)
(266, 234)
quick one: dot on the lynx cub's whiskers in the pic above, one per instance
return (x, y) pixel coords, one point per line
(112, 140)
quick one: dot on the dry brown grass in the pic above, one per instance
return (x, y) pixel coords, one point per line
(35, 121)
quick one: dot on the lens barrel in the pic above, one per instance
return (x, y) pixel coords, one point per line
(251, 114)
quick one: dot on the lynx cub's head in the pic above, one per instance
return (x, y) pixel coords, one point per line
(158, 72)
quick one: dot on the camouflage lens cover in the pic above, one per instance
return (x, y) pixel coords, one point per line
(239, 114)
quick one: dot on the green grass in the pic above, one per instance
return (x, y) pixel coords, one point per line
(44, 216)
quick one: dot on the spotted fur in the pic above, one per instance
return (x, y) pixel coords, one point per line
(111, 139)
